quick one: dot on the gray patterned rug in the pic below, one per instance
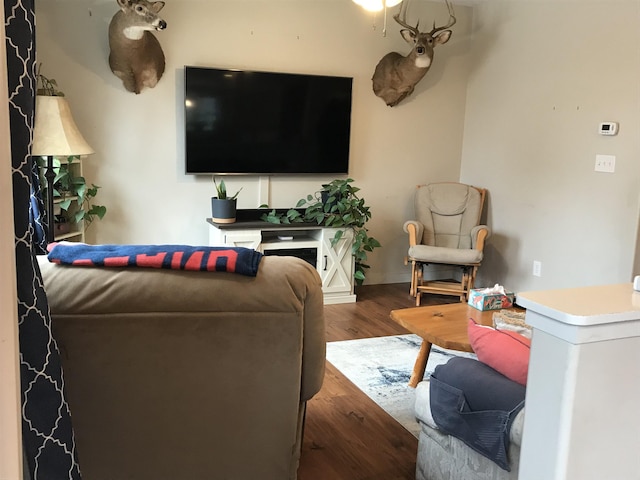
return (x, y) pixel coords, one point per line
(381, 368)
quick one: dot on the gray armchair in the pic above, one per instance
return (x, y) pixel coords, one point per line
(446, 232)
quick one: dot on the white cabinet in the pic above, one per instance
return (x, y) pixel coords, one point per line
(235, 238)
(335, 264)
(582, 419)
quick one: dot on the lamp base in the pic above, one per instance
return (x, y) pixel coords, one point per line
(50, 175)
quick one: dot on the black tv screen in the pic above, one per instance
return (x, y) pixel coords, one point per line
(263, 123)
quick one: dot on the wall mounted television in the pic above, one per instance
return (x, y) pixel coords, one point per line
(240, 122)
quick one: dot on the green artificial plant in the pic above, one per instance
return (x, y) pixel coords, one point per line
(221, 190)
(336, 205)
(69, 187)
(47, 86)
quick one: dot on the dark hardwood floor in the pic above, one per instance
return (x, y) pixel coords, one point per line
(347, 436)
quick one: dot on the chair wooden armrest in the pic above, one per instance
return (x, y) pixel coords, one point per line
(479, 235)
(414, 229)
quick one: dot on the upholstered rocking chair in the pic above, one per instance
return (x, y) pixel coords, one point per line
(446, 232)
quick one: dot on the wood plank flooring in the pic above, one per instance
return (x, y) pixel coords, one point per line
(347, 436)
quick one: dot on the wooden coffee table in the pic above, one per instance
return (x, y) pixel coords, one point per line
(442, 325)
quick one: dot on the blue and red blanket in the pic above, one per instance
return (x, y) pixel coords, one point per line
(177, 257)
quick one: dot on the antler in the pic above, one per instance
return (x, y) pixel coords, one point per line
(452, 20)
(403, 22)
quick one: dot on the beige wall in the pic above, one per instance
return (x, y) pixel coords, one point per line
(544, 75)
(138, 139)
(541, 75)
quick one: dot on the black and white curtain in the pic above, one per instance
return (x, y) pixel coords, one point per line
(48, 441)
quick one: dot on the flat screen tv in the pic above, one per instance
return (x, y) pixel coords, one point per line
(265, 123)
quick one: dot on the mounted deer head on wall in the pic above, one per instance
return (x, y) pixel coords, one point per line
(136, 56)
(396, 76)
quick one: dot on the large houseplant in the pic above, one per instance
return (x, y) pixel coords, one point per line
(223, 206)
(336, 205)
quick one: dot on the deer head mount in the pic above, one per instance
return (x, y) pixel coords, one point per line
(396, 76)
(136, 56)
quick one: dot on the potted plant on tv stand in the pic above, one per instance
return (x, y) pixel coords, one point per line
(336, 205)
(223, 207)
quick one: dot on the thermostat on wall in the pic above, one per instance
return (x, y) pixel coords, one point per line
(608, 128)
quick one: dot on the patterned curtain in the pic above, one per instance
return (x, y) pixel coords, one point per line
(48, 440)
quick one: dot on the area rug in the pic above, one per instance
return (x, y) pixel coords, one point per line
(381, 368)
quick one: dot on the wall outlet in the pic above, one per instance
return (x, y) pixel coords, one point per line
(537, 268)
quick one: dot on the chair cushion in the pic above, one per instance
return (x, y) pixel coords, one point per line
(503, 350)
(448, 198)
(448, 212)
(449, 256)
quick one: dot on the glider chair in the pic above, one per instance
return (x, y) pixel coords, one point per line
(446, 232)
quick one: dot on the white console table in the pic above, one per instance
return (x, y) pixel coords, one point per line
(335, 264)
(582, 418)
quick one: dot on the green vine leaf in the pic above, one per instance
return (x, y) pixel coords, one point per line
(341, 209)
(68, 187)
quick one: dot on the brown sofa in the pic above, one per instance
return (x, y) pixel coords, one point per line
(188, 375)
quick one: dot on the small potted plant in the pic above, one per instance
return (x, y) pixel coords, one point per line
(223, 206)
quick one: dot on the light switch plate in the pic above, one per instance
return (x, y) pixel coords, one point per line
(605, 163)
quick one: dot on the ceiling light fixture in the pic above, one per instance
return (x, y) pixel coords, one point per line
(376, 5)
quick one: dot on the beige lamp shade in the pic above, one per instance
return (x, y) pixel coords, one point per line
(376, 5)
(55, 133)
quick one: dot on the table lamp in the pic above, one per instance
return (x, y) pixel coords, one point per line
(55, 134)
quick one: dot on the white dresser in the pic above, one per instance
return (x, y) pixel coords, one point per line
(334, 263)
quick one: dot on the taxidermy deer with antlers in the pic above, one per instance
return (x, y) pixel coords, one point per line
(136, 56)
(396, 76)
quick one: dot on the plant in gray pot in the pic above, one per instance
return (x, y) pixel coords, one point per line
(223, 207)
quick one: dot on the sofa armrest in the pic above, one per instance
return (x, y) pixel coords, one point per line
(314, 339)
(424, 416)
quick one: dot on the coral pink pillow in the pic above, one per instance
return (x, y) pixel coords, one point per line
(503, 350)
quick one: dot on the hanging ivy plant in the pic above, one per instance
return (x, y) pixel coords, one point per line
(47, 86)
(336, 205)
(69, 188)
